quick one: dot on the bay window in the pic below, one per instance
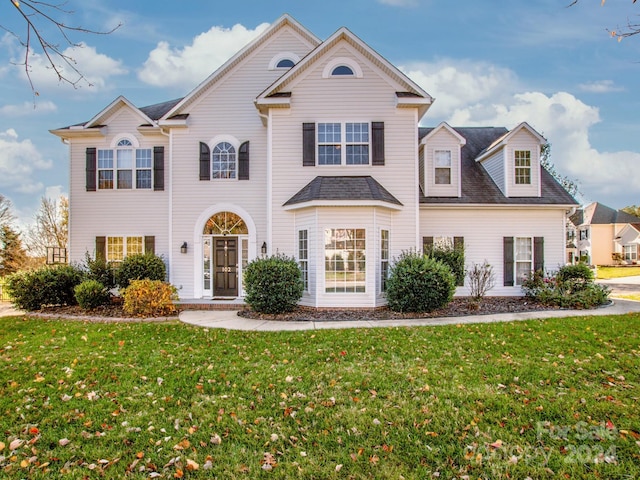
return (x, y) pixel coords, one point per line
(345, 260)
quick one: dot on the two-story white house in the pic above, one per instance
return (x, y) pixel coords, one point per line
(311, 149)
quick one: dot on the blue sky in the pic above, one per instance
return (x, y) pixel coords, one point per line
(492, 63)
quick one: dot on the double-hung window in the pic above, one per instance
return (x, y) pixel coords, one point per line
(303, 256)
(523, 167)
(384, 259)
(630, 253)
(116, 167)
(120, 247)
(343, 143)
(442, 165)
(523, 258)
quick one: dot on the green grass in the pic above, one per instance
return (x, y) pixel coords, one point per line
(544, 399)
(605, 273)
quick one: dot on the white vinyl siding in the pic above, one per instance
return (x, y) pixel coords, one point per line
(523, 141)
(442, 165)
(494, 165)
(483, 229)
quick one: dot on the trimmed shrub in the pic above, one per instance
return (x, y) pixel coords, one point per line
(32, 290)
(149, 298)
(273, 284)
(100, 270)
(92, 294)
(138, 267)
(481, 279)
(572, 286)
(451, 256)
(419, 283)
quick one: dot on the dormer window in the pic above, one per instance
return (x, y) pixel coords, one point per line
(523, 167)
(442, 160)
(341, 70)
(285, 63)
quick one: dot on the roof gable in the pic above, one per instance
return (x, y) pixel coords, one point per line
(285, 21)
(118, 103)
(498, 143)
(412, 93)
(448, 128)
(599, 214)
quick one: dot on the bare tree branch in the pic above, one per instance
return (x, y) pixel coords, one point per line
(37, 15)
(631, 29)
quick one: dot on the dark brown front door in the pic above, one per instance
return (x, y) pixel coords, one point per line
(225, 272)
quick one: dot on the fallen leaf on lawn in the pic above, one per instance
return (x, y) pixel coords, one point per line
(191, 465)
(338, 467)
(66, 398)
(2, 445)
(610, 425)
(497, 444)
(16, 444)
(374, 459)
(208, 465)
(216, 440)
(63, 442)
(376, 421)
(274, 437)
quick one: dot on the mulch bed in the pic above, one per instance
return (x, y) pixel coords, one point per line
(459, 307)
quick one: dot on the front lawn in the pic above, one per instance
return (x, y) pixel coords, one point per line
(543, 399)
(605, 273)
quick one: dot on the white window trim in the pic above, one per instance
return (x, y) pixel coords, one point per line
(348, 62)
(343, 144)
(212, 144)
(273, 64)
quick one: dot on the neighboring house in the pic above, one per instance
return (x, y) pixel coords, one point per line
(602, 231)
(311, 149)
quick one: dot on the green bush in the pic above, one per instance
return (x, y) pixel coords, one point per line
(572, 286)
(101, 271)
(451, 256)
(419, 283)
(92, 294)
(139, 267)
(273, 284)
(149, 298)
(34, 289)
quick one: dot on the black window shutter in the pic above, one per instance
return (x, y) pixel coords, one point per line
(458, 244)
(150, 244)
(91, 169)
(308, 144)
(508, 262)
(427, 244)
(205, 162)
(538, 254)
(101, 248)
(243, 161)
(377, 141)
(158, 168)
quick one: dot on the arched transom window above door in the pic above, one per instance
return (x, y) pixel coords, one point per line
(225, 223)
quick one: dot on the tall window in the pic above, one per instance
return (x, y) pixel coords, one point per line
(343, 144)
(523, 258)
(523, 167)
(223, 158)
(303, 256)
(345, 260)
(119, 174)
(384, 259)
(442, 160)
(120, 247)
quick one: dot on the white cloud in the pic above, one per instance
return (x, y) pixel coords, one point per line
(28, 108)
(602, 86)
(19, 161)
(168, 66)
(96, 68)
(477, 94)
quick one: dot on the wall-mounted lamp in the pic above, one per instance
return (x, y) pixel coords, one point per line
(183, 247)
(263, 249)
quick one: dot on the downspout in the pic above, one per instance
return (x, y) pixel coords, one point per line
(269, 240)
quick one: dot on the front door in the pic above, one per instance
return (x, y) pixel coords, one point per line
(225, 266)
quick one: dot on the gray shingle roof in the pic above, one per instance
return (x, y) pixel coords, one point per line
(603, 215)
(364, 188)
(477, 185)
(157, 111)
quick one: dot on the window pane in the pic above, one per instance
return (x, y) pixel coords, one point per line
(125, 179)
(125, 158)
(124, 143)
(442, 158)
(303, 256)
(135, 245)
(523, 167)
(224, 161)
(105, 159)
(342, 70)
(143, 158)
(115, 249)
(345, 261)
(524, 251)
(143, 179)
(329, 133)
(357, 154)
(443, 176)
(357, 132)
(523, 269)
(105, 179)
(329, 155)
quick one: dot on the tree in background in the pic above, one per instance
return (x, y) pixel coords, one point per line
(12, 254)
(632, 28)
(632, 210)
(38, 18)
(6, 216)
(51, 227)
(571, 186)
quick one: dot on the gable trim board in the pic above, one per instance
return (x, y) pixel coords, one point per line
(351, 214)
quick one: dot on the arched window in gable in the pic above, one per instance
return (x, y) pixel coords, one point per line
(342, 70)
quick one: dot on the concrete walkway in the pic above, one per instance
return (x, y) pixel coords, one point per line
(229, 320)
